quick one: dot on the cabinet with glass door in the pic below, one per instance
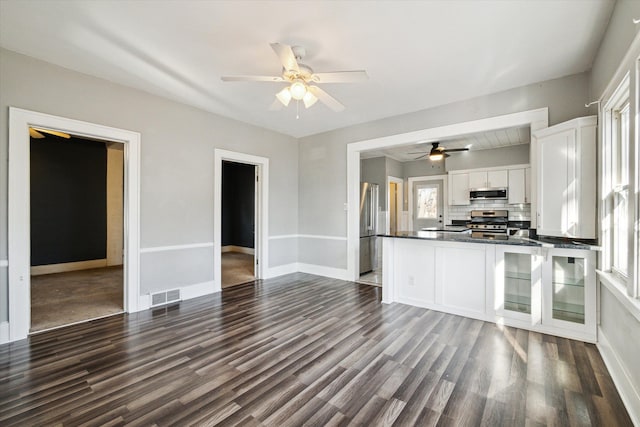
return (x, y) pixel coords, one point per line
(518, 288)
(570, 291)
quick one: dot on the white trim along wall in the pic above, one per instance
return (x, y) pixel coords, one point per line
(536, 119)
(19, 207)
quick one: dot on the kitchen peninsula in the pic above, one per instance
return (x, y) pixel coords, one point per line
(520, 282)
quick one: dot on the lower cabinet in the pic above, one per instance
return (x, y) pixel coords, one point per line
(449, 277)
(546, 289)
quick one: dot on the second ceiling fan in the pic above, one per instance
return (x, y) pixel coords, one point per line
(301, 80)
(438, 153)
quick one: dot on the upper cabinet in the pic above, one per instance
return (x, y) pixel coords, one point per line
(519, 186)
(488, 179)
(566, 188)
(459, 189)
(516, 179)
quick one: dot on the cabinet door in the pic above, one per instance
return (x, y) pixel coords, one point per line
(459, 189)
(517, 186)
(527, 185)
(556, 198)
(497, 179)
(570, 291)
(517, 291)
(478, 180)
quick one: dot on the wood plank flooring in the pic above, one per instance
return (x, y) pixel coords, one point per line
(302, 350)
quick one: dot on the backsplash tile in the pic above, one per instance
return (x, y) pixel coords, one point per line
(516, 212)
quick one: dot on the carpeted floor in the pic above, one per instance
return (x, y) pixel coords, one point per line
(237, 268)
(64, 298)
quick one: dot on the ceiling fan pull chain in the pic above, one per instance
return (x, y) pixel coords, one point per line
(297, 109)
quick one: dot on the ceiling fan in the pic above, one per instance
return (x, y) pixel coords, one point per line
(301, 80)
(37, 133)
(438, 153)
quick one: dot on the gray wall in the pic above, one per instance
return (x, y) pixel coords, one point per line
(615, 43)
(323, 170)
(177, 150)
(505, 156)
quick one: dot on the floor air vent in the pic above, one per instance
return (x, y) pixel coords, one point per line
(165, 297)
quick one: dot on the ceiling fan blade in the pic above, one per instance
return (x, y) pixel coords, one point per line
(340, 76)
(276, 105)
(287, 58)
(35, 134)
(326, 99)
(453, 150)
(424, 155)
(50, 132)
(419, 152)
(251, 79)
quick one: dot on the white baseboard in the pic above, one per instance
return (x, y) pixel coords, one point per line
(628, 392)
(238, 249)
(321, 270)
(281, 270)
(4, 332)
(67, 266)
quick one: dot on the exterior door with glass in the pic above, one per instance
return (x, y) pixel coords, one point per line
(428, 204)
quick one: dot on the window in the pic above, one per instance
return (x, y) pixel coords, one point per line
(615, 183)
(427, 203)
(620, 190)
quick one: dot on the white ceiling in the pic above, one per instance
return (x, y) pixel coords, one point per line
(478, 141)
(418, 54)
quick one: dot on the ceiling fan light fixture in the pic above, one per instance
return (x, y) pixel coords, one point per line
(309, 99)
(435, 156)
(284, 96)
(298, 89)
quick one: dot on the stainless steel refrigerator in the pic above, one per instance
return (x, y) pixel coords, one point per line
(368, 226)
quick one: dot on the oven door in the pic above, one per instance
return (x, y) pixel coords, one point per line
(490, 235)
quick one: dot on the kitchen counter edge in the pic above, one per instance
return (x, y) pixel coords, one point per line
(465, 238)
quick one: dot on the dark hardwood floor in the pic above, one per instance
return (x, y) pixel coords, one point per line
(297, 350)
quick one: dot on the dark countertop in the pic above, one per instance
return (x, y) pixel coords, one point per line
(466, 238)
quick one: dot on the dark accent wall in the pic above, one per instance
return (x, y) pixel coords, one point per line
(238, 204)
(68, 200)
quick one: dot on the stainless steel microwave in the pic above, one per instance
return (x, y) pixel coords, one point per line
(488, 194)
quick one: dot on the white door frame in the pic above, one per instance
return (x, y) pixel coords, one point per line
(536, 119)
(19, 222)
(261, 253)
(412, 180)
(399, 207)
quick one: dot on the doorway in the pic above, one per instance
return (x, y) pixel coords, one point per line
(19, 238)
(77, 224)
(260, 166)
(426, 202)
(395, 201)
(239, 181)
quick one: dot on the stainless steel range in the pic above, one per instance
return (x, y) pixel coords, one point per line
(489, 224)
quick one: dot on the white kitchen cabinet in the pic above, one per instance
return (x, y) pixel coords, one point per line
(569, 292)
(566, 190)
(459, 189)
(517, 283)
(548, 290)
(519, 186)
(488, 179)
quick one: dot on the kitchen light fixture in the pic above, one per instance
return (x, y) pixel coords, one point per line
(435, 155)
(438, 153)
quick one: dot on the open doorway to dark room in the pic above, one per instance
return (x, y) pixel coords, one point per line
(238, 223)
(77, 193)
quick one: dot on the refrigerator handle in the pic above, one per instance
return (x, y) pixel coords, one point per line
(374, 211)
(369, 211)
